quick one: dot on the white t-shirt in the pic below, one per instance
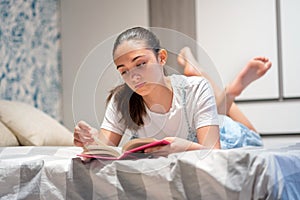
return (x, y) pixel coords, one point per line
(199, 110)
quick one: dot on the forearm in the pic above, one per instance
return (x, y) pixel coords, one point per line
(109, 137)
(196, 146)
(208, 137)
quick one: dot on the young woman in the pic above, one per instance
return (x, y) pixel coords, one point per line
(180, 109)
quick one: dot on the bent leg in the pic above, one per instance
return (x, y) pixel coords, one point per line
(255, 68)
(187, 60)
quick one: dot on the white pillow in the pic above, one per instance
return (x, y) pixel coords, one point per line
(7, 137)
(33, 127)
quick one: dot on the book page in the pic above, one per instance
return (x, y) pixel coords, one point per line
(136, 143)
(103, 150)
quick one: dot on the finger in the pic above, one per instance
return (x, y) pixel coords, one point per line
(83, 125)
(163, 151)
(151, 149)
(80, 134)
(268, 65)
(75, 135)
(170, 139)
(86, 139)
(77, 143)
(82, 130)
(84, 133)
(262, 59)
(83, 138)
(77, 128)
(82, 142)
(159, 150)
(86, 160)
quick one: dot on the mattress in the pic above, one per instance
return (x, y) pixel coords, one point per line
(45, 172)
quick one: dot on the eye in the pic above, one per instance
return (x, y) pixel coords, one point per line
(141, 64)
(124, 72)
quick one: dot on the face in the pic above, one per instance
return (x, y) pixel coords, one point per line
(138, 66)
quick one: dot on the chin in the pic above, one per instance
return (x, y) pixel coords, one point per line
(143, 91)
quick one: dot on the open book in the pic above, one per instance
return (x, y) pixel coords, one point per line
(133, 149)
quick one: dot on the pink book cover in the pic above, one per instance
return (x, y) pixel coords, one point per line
(131, 154)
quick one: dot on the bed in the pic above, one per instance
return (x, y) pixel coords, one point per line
(38, 161)
(44, 172)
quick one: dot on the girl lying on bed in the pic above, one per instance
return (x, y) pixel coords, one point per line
(181, 109)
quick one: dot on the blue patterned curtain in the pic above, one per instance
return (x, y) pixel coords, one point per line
(30, 54)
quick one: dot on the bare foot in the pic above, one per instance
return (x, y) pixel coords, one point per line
(186, 59)
(254, 69)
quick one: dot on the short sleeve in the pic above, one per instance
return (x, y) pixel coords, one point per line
(204, 105)
(112, 120)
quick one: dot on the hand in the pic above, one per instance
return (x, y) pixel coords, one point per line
(84, 134)
(176, 145)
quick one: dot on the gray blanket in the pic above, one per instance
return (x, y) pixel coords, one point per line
(57, 173)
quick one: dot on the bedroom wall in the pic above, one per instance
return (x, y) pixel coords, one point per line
(275, 116)
(30, 61)
(232, 36)
(44, 43)
(87, 26)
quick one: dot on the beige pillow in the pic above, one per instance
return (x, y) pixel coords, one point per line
(7, 137)
(32, 126)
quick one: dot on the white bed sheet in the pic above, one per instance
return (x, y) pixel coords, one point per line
(57, 173)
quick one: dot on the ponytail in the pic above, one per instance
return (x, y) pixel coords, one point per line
(130, 104)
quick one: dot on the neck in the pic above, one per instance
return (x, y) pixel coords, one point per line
(160, 99)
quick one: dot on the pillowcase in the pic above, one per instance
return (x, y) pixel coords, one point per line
(7, 137)
(33, 127)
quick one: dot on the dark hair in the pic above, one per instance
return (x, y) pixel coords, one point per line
(139, 34)
(130, 104)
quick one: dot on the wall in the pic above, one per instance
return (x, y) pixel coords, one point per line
(234, 31)
(173, 15)
(30, 62)
(88, 30)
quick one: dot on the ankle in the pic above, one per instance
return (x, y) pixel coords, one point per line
(230, 92)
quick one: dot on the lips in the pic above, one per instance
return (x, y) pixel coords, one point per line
(137, 86)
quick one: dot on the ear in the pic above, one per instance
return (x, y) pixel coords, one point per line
(162, 56)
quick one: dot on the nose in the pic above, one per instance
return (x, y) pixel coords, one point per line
(135, 77)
